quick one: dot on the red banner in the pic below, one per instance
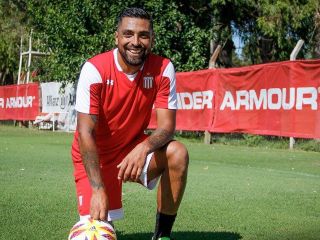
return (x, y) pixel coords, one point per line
(195, 100)
(275, 99)
(19, 102)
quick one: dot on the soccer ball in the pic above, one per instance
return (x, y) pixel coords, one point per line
(90, 229)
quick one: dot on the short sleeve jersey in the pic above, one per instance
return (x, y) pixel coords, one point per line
(123, 102)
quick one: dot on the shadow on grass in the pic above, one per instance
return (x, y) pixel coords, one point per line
(184, 236)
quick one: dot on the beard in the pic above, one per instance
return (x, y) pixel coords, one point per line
(133, 59)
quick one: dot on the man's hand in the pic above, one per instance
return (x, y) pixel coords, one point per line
(132, 165)
(99, 199)
(99, 204)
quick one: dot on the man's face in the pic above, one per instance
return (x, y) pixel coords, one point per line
(134, 40)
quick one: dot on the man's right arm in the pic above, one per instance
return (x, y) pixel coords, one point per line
(99, 200)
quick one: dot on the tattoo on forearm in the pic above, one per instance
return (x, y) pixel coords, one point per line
(94, 118)
(159, 138)
(91, 164)
(95, 184)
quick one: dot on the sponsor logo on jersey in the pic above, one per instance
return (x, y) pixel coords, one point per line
(148, 82)
(110, 82)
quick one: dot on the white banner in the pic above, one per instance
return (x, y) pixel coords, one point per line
(55, 99)
(61, 102)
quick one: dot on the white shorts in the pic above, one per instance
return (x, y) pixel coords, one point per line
(144, 178)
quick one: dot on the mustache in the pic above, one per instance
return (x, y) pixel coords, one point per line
(135, 47)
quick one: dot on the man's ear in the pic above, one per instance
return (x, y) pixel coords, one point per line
(153, 42)
(116, 35)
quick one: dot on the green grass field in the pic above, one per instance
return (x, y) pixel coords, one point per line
(232, 193)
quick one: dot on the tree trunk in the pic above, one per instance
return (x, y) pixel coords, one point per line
(265, 47)
(1, 79)
(317, 35)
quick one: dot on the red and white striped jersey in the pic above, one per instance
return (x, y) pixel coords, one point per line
(123, 102)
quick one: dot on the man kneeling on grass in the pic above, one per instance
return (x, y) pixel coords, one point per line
(115, 96)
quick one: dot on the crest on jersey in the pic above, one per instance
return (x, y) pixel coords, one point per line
(148, 82)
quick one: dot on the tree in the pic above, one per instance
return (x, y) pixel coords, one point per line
(316, 39)
(285, 22)
(273, 28)
(269, 29)
(84, 28)
(78, 29)
(12, 26)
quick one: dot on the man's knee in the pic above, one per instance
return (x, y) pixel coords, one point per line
(178, 157)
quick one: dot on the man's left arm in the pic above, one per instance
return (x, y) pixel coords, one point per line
(166, 121)
(132, 165)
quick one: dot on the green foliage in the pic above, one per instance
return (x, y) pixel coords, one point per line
(308, 144)
(75, 30)
(261, 141)
(270, 29)
(81, 29)
(253, 140)
(179, 39)
(12, 26)
(286, 22)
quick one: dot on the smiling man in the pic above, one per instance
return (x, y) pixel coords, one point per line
(115, 96)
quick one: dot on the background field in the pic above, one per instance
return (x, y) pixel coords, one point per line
(233, 192)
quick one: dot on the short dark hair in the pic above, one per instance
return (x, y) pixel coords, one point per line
(134, 12)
